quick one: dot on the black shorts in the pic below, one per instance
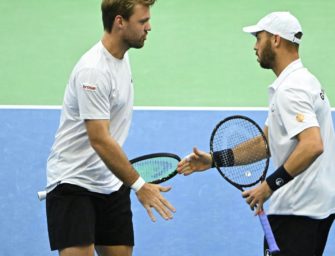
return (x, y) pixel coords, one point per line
(77, 217)
(299, 235)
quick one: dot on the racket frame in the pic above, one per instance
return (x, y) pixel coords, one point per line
(262, 177)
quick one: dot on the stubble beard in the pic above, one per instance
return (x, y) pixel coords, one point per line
(268, 57)
(134, 43)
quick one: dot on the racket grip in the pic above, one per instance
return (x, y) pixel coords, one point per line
(270, 239)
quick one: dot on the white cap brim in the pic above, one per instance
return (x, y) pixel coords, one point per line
(252, 29)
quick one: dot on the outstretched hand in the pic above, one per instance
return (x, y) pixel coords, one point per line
(195, 162)
(150, 197)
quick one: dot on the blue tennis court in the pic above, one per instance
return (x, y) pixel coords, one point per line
(211, 218)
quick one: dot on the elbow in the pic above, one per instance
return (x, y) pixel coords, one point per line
(317, 149)
(96, 143)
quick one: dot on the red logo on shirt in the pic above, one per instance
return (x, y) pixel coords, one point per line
(89, 87)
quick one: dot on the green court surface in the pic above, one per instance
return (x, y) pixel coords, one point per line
(195, 55)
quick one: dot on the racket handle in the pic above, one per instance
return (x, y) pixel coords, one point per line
(270, 239)
(41, 195)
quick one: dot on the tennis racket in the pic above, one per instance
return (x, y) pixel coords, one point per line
(156, 168)
(241, 155)
(153, 168)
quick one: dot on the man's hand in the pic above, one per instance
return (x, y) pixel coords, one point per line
(150, 197)
(257, 196)
(195, 162)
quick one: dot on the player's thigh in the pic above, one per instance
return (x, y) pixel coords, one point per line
(85, 250)
(70, 217)
(117, 250)
(323, 232)
(114, 226)
(295, 235)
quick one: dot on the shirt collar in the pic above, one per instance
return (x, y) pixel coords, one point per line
(293, 66)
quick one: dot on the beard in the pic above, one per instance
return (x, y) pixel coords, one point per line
(134, 42)
(268, 57)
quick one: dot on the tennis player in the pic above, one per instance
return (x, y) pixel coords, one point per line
(88, 175)
(301, 137)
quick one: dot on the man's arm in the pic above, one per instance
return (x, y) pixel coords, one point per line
(199, 160)
(109, 151)
(115, 159)
(309, 148)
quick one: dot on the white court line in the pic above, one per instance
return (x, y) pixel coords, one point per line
(199, 108)
(159, 108)
(29, 107)
(144, 108)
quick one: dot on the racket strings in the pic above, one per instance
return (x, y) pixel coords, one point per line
(155, 168)
(244, 139)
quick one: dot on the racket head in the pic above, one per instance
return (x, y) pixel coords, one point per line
(234, 131)
(156, 168)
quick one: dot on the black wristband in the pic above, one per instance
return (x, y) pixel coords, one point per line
(223, 158)
(279, 178)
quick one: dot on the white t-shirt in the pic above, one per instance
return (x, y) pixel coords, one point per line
(100, 87)
(297, 102)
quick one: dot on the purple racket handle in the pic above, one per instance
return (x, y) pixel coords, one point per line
(273, 247)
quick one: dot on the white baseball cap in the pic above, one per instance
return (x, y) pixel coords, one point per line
(283, 24)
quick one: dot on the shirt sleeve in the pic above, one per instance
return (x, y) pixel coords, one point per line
(93, 92)
(297, 110)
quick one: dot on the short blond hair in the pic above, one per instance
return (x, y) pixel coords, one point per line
(111, 8)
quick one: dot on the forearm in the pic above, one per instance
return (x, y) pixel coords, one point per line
(115, 159)
(302, 157)
(248, 152)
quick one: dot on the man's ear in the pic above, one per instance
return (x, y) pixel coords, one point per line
(276, 40)
(118, 21)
